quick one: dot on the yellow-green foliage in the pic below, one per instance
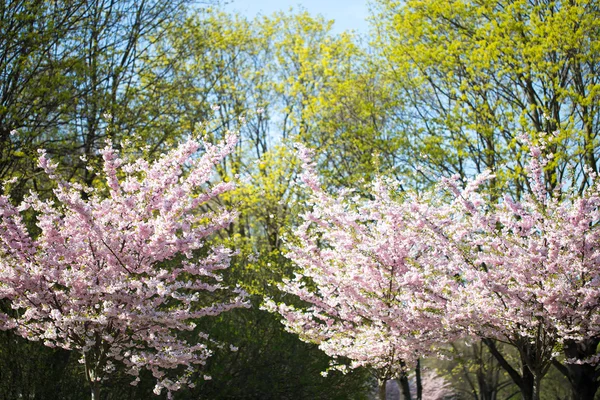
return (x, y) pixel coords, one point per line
(266, 199)
(477, 74)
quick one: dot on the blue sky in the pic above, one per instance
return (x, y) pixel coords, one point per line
(348, 14)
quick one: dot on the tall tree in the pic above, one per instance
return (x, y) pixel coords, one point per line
(71, 72)
(221, 74)
(475, 73)
(37, 66)
(114, 39)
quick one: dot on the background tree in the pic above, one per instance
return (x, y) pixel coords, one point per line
(231, 78)
(474, 74)
(476, 373)
(114, 40)
(37, 65)
(70, 70)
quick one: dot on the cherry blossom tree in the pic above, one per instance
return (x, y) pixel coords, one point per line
(374, 288)
(383, 280)
(532, 276)
(114, 274)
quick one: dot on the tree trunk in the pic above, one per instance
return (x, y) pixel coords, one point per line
(95, 389)
(382, 384)
(528, 386)
(537, 388)
(582, 377)
(92, 377)
(418, 380)
(405, 386)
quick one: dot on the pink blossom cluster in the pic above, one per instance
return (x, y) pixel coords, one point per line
(114, 276)
(371, 276)
(387, 279)
(531, 268)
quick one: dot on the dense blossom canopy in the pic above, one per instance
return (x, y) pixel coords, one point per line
(115, 276)
(373, 281)
(531, 268)
(386, 279)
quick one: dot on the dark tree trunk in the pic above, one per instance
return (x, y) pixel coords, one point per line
(405, 387)
(528, 386)
(418, 380)
(582, 377)
(525, 380)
